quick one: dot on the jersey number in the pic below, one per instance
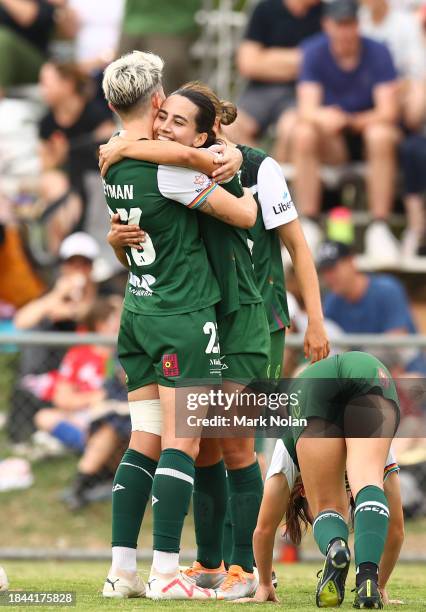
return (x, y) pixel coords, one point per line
(210, 328)
(147, 255)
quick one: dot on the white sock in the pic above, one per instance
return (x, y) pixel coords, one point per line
(123, 558)
(165, 562)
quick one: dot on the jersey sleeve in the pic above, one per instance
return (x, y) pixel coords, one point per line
(391, 465)
(185, 186)
(274, 195)
(282, 463)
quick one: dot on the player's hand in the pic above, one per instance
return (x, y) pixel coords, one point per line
(121, 235)
(387, 601)
(111, 153)
(229, 159)
(316, 345)
(263, 593)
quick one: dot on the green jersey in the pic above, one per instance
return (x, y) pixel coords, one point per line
(171, 274)
(264, 177)
(230, 258)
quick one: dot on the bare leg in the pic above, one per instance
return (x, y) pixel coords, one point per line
(99, 448)
(381, 141)
(284, 132)
(322, 466)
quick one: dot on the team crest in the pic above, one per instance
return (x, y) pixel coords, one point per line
(170, 365)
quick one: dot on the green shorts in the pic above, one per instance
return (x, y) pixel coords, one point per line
(173, 351)
(245, 343)
(327, 387)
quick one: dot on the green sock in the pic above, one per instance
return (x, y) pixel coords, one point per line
(210, 500)
(171, 495)
(370, 524)
(245, 496)
(227, 531)
(130, 493)
(329, 525)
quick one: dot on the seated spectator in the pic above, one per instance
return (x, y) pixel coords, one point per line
(270, 59)
(401, 31)
(69, 133)
(166, 28)
(78, 385)
(20, 283)
(347, 101)
(63, 308)
(365, 304)
(413, 164)
(108, 437)
(25, 30)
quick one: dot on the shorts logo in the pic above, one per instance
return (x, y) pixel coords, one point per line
(170, 365)
(383, 378)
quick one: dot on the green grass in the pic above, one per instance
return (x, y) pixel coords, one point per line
(296, 586)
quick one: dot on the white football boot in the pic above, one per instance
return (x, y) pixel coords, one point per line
(122, 585)
(176, 586)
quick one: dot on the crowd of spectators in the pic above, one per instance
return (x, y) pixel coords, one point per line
(342, 81)
(324, 83)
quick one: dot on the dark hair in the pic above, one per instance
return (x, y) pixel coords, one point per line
(297, 516)
(226, 111)
(101, 311)
(206, 114)
(71, 72)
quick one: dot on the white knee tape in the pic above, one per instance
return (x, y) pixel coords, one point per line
(146, 416)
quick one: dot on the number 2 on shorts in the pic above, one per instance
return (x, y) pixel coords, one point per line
(210, 328)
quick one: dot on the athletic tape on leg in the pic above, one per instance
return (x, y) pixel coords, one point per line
(146, 416)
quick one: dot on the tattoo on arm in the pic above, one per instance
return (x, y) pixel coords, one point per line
(208, 209)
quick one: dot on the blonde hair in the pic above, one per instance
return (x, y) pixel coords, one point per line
(226, 111)
(130, 80)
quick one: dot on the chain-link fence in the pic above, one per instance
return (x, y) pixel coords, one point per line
(57, 464)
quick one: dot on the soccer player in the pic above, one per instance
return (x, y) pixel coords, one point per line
(346, 400)
(284, 496)
(183, 117)
(168, 329)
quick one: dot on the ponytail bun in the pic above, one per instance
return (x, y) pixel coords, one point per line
(228, 112)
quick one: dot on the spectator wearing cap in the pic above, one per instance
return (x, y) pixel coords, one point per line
(347, 102)
(270, 58)
(365, 303)
(63, 308)
(74, 291)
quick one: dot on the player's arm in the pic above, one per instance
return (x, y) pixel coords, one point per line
(240, 212)
(199, 192)
(316, 344)
(276, 496)
(279, 212)
(223, 165)
(395, 536)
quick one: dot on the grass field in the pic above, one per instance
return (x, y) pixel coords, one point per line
(296, 586)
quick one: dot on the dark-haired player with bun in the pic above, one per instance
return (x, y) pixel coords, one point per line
(351, 409)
